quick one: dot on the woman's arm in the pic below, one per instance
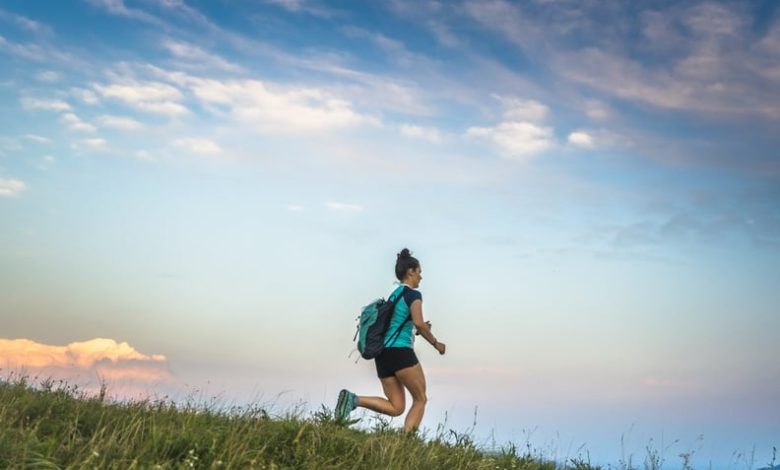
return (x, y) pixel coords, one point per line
(423, 327)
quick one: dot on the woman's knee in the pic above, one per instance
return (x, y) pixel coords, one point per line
(420, 399)
(396, 411)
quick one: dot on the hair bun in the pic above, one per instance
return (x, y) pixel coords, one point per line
(405, 253)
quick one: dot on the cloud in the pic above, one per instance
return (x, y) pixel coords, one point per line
(11, 187)
(516, 140)
(35, 104)
(581, 139)
(302, 6)
(119, 122)
(74, 123)
(36, 138)
(86, 96)
(26, 23)
(517, 109)
(279, 109)
(153, 97)
(93, 144)
(294, 208)
(97, 359)
(431, 134)
(343, 207)
(48, 76)
(117, 7)
(199, 146)
(198, 56)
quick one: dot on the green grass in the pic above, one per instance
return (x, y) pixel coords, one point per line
(57, 426)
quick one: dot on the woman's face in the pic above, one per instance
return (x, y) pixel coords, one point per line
(414, 277)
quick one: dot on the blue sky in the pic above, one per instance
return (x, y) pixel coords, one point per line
(592, 188)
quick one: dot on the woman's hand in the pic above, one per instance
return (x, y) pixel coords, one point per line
(441, 347)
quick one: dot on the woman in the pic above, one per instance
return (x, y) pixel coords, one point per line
(397, 366)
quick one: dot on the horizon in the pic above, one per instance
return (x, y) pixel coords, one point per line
(202, 195)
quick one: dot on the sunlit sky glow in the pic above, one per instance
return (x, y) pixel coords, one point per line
(201, 195)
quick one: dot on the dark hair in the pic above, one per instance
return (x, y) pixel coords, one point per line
(404, 263)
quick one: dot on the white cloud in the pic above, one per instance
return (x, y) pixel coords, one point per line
(581, 139)
(200, 57)
(517, 109)
(119, 122)
(26, 23)
(87, 96)
(343, 207)
(36, 138)
(278, 109)
(516, 140)
(48, 76)
(154, 97)
(431, 134)
(294, 208)
(94, 144)
(35, 104)
(11, 187)
(302, 6)
(143, 155)
(199, 146)
(75, 123)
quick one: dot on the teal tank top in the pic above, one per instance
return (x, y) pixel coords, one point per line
(405, 337)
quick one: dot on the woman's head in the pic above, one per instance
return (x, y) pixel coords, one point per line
(407, 269)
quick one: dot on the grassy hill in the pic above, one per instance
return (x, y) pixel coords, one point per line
(57, 426)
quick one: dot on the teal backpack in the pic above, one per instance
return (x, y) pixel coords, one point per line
(372, 326)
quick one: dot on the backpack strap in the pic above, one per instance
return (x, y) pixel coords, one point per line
(397, 332)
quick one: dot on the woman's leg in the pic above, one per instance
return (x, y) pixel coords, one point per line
(393, 405)
(414, 380)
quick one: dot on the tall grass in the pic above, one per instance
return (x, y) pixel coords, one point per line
(55, 425)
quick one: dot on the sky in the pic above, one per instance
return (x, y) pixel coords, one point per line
(197, 197)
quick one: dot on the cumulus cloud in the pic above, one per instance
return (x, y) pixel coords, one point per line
(279, 109)
(431, 134)
(36, 104)
(199, 146)
(153, 97)
(11, 187)
(98, 359)
(516, 140)
(581, 139)
(344, 207)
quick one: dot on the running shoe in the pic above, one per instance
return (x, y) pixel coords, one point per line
(345, 404)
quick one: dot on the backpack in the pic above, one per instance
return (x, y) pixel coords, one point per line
(372, 325)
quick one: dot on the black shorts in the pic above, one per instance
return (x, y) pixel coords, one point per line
(394, 359)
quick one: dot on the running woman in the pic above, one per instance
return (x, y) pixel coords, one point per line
(397, 366)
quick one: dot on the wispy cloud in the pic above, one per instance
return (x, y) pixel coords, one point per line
(344, 207)
(26, 23)
(153, 97)
(74, 123)
(200, 146)
(431, 134)
(11, 187)
(36, 104)
(48, 76)
(196, 56)
(119, 122)
(276, 108)
(581, 139)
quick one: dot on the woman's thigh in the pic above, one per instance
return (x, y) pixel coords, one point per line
(394, 392)
(413, 379)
